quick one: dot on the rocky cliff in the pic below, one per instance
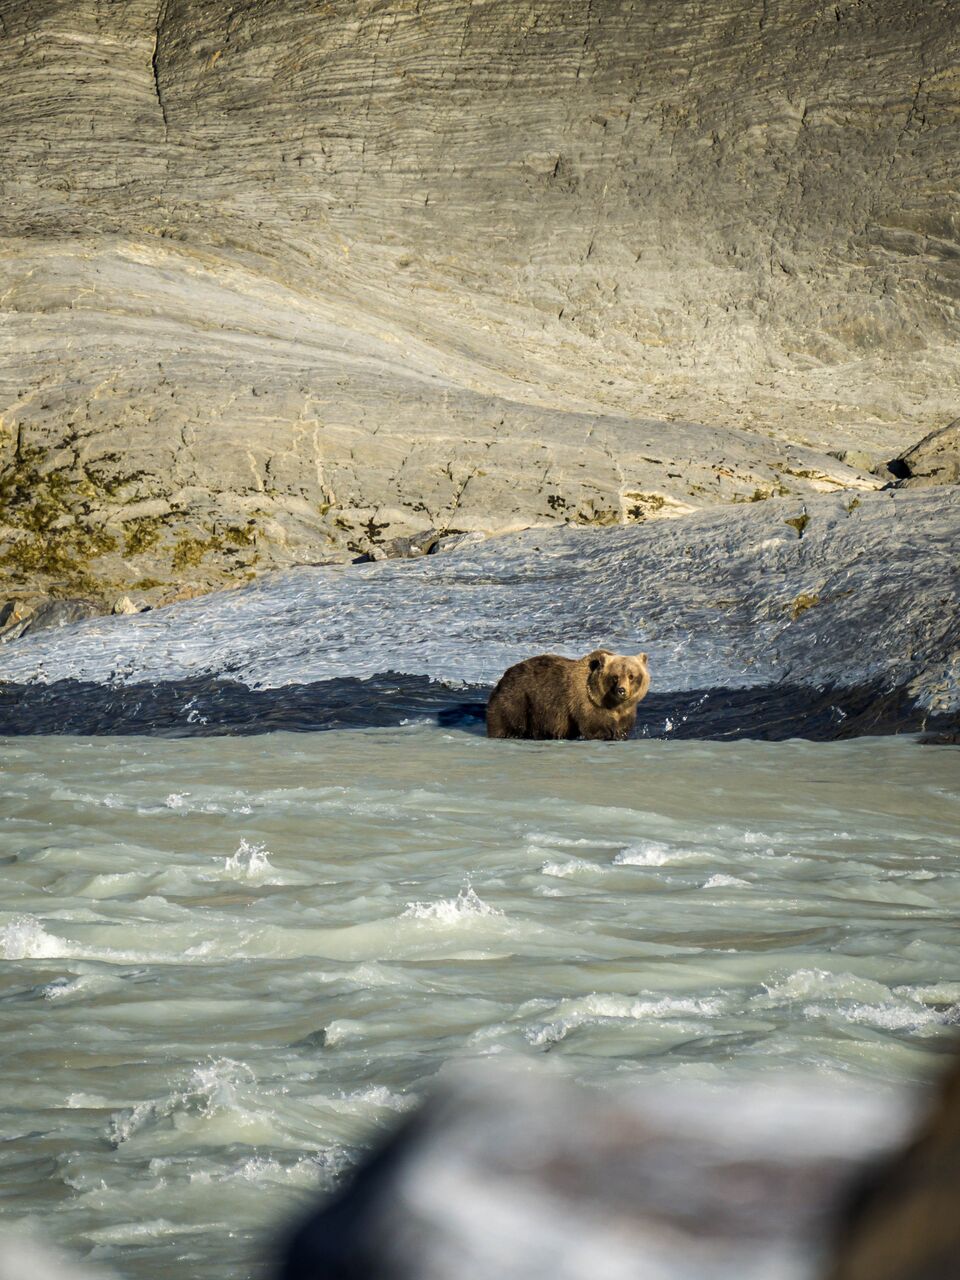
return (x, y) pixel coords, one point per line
(281, 281)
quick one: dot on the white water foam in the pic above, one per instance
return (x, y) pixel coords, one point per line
(652, 853)
(573, 867)
(601, 1008)
(214, 1087)
(467, 906)
(250, 862)
(25, 938)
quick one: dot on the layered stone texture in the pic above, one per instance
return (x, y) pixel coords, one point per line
(283, 281)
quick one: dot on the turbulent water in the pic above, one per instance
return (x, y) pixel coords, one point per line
(229, 962)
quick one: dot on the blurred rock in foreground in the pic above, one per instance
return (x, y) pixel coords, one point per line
(905, 1222)
(23, 1258)
(504, 1176)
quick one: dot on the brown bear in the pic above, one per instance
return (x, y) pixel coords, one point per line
(553, 697)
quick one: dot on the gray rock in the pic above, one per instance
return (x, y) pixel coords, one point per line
(411, 548)
(286, 280)
(53, 614)
(900, 1226)
(934, 460)
(457, 542)
(14, 619)
(522, 1177)
(124, 605)
(19, 617)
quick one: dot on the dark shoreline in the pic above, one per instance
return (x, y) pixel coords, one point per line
(211, 706)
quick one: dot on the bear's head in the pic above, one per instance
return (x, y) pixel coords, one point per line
(617, 681)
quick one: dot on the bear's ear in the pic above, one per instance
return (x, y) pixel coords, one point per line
(642, 657)
(597, 658)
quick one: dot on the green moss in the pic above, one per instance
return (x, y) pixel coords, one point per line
(188, 551)
(801, 603)
(240, 535)
(145, 584)
(799, 523)
(644, 505)
(141, 534)
(590, 513)
(778, 490)
(53, 543)
(852, 506)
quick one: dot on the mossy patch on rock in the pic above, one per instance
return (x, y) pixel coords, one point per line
(141, 534)
(799, 523)
(189, 549)
(801, 603)
(51, 540)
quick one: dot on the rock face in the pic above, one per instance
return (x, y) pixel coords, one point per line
(282, 282)
(934, 460)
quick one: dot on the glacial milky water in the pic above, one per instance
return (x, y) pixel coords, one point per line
(228, 963)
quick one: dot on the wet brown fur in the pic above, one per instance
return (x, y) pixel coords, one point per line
(553, 697)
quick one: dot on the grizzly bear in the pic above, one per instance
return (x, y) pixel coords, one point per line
(552, 697)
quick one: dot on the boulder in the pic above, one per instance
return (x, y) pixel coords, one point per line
(934, 460)
(124, 605)
(18, 617)
(520, 1176)
(902, 1221)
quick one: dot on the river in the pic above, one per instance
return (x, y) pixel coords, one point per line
(229, 962)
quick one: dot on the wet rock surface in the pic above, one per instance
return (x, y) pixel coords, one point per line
(284, 283)
(824, 619)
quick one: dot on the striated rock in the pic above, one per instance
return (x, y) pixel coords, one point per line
(456, 542)
(14, 619)
(18, 617)
(284, 281)
(934, 460)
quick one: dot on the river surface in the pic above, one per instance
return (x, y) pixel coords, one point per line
(228, 963)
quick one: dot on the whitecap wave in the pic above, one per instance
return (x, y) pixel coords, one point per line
(216, 1087)
(652, 853)
(572, 867)
(24, 938)
(602, 1008)
(249, 862)
(896, 1016)
(466, 906)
